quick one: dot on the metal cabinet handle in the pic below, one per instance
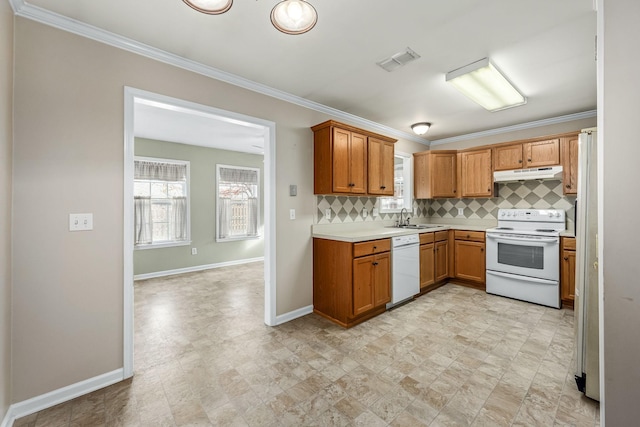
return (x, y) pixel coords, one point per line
(568, 186)
(528, 160)
(454, 191)
(481, 249)
(382, 187)
(375, 247)
(566, 258)
(375, 263)
(519, 161)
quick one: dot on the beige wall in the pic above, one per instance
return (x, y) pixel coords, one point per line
(620, 264)
(535, 132)
(69, 158)
(6, 142)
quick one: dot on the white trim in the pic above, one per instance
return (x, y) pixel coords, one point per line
(601, 236)
(61, 22)
(129, 138)
(521, 126)
(287, 317)
(195, 268)
(269, 201)
(64, 394)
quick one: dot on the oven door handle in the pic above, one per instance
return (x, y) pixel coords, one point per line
(523, 278)
(521, 239)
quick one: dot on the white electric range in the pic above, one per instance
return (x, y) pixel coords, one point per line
(523, 255)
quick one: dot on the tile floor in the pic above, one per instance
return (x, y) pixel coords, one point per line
(453, 357)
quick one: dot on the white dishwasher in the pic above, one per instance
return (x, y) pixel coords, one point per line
(405, 268)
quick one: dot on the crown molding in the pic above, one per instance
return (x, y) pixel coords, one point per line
(44, 16)
(521, 126)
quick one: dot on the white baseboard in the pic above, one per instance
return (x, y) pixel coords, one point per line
(195, 268)
(64, 394)
(287, 317)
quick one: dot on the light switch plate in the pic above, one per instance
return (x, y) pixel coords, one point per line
(292, 214)
(293, 190)
(81, 222)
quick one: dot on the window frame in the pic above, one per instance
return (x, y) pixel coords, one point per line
(174, 243)
(258, 196)
(407, 171)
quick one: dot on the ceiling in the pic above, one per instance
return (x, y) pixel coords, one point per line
(545, 47)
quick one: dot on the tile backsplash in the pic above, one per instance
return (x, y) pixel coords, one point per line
(525, 195)
(349, 209)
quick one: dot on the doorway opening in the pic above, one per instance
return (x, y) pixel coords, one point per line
(136, 98)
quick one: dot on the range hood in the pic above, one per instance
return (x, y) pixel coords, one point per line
(550, 172)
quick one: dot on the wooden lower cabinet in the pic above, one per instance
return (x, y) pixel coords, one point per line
(434, 260)
(568, 271)
(441, 260)
(351, 281)
(470, 257)
(427, 265)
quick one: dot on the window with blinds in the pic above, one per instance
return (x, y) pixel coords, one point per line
(237, 202)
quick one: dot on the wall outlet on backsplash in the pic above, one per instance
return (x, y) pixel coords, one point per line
(460, 211)
(375, 212)
(327, 213)
(365, 213)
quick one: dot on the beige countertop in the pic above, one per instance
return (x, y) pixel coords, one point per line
(360, 232)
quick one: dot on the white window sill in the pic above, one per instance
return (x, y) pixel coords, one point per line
(162, 245)
(235, 239)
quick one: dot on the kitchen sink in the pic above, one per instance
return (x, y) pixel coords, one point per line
(413, 226)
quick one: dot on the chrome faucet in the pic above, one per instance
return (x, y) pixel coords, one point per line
(402, 220)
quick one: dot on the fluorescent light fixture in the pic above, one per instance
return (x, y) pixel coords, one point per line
(420, 128)
(483, 83)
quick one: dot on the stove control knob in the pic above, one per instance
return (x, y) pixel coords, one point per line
(550, 214)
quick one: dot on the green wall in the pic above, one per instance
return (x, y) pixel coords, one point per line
(203, 209)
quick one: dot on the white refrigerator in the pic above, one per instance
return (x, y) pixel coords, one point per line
(586, 294)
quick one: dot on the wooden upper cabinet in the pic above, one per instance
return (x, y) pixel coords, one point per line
(341, 160)
(435, 174)
(381, 167)
(532, 154)
(541, 153)
(476, 178)
(569, 147)
(507, 157)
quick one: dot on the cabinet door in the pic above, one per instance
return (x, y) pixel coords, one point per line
(363, 280)
(380, 167)
(358, 163)
(476, 175)
(427, 264)
(569, 147)
(470, 260)
(388, 168)
(568, 276)
(382, 279)
(441, 260)
(541, 153)
(443, 175)
(508, 157)
(421, 175)
(341, 158)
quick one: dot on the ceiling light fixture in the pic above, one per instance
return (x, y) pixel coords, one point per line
(420, 128)
(483, 83)
(210, 7)
(288, 16)
(294, 16)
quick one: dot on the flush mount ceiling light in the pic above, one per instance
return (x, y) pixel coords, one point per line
(210, 7)
(288, 16)
(483, 83)
(420, 128)
(294, 16)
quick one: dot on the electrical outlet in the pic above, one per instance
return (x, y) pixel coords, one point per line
(194, 251)
(365, 213)
(375, 212)
(460, 211)
(327, 213)
(292, 214)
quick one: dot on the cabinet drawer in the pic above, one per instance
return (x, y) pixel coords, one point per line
(569, 243)
(371, 247)
(476, 236)
(426, 238)
(441, 235)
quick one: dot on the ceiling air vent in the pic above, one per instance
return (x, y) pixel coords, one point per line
(398, 60)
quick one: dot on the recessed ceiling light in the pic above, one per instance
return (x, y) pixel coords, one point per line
(210, 7)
